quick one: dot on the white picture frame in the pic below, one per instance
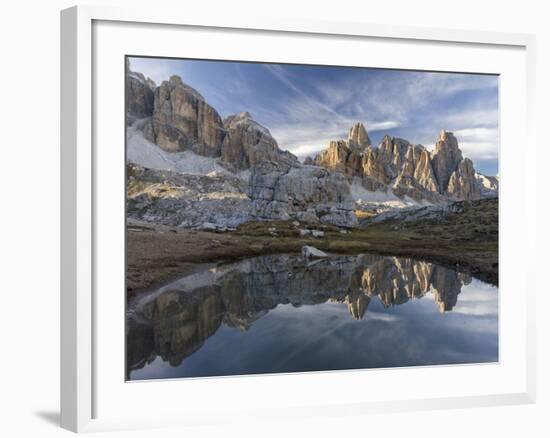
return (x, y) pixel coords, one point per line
(83, 374)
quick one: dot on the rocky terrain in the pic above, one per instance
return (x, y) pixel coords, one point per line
(175, 321)
(202, 188)
(462, 235)
(192, 168)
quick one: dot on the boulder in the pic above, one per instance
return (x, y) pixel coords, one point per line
(310, 252)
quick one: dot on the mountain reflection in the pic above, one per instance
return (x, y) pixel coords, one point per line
(174, 321)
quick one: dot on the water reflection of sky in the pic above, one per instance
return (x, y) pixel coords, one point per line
(325, 337)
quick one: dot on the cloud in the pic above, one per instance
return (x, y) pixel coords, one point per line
(309, 139)
(157, 70)
(479, 143)
(305, 109)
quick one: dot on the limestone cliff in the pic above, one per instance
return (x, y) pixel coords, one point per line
(409, 170)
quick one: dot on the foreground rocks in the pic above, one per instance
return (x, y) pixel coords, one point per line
(216, 202)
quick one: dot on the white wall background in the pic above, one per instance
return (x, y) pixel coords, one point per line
(29, 218)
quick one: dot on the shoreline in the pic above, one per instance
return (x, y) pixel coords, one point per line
(157, 255)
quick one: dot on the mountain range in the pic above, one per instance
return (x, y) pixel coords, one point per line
(172, 130)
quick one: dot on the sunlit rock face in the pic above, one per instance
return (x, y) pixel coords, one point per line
(176, 320)
(445, 158)
(409, 169)
(358, 138)
(463, 183)
(335, 157)
(416, 177)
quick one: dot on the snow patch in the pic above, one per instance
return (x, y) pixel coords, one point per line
(142, 152)
(380, 198)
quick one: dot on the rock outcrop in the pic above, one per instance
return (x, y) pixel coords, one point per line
(176, 118)
(358, 138)
(185, 200)
(247, 143)
(308, 194)
(445, 158)
(182, 120)
(416, 178)
(310, 252)
(408, 169)
(463, 183)
(488, 185)
(335, 157)
(140, 97)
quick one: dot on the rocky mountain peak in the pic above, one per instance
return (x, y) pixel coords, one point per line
(358, 136)
(445, 158)
(176, 80)
(409, 169)
(245, 119)
(248, 143)
(182, 120)
(140, 96)
(176, 83)
(242, 115)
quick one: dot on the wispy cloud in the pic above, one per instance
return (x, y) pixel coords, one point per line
(307, 106)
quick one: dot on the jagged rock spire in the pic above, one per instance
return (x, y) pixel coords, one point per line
(358, 136)
(445, 158)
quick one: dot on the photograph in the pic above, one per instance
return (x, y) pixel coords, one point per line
(290, 218)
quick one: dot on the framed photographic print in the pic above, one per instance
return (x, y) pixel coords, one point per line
(261, 208)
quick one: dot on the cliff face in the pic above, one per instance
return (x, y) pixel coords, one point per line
(248, 143)
(140, 97)
(180, 119)
(183, 120)
(406, 168)
(308, 194)
(172, 128)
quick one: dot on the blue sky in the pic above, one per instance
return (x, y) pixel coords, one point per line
(305, 107)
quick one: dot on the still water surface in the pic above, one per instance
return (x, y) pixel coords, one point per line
(279, 313)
